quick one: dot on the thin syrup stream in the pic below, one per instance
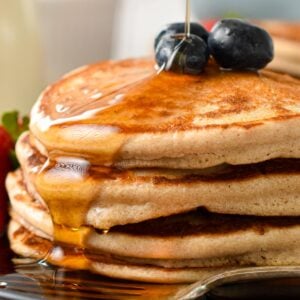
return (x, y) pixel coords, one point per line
(188, 19)
(182, 37)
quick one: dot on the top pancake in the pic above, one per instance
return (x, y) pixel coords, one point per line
(124, 114)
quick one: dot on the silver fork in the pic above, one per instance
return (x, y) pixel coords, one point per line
(206, 284)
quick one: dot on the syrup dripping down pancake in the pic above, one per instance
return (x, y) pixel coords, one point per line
(194, 238)
(116, 148)
(123, 114)
(27, 244)
(107, 197)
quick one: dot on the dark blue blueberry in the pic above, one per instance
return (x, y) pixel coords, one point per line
(180, 54)
(236, 44)
(165, 48)
(177, 28)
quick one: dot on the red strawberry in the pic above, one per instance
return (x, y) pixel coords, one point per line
(209, 23)
(6, 146)
(13, 126)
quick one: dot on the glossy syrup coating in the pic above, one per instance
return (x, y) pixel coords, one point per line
(131, 97)
(107, 108)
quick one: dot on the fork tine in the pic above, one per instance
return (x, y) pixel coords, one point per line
(48, 287)
(62, 275)
(62, 288)
(15, 292)
(62, 280)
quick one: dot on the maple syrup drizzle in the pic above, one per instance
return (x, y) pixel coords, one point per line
(182, 37)
(67, 256)
(87, 111)
(68, 211)
(188, 19)
(69, 208)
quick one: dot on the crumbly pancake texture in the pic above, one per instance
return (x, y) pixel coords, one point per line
(119, 197)
(122, 113)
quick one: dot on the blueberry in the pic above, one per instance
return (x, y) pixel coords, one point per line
(165, 48)
(181, 54)
(177, 28)
(236, 44)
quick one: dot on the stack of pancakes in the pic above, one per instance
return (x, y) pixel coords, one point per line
(160, 177)
(286, 37)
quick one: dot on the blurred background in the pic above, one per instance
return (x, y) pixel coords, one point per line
(40, 40)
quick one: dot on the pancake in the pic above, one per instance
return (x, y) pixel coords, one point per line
(152, 176)
(107, 197)
(122, 113)
(27, 244)
(194, 239)
(286, 37)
